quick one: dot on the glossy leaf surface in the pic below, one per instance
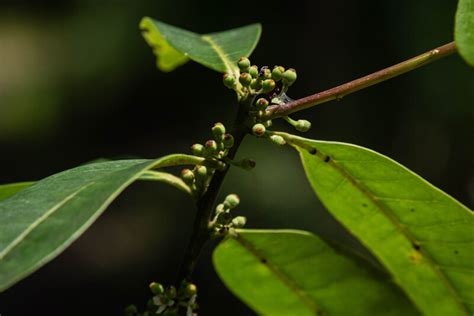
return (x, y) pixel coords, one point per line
(464, 30)
(7, 190)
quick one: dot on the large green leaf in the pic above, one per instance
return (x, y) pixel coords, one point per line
(288, 272)
(421, 235)
(39, 222)
(7, 190)
(219, 51)
(464, 30)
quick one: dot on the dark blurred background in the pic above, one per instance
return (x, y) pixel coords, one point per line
(78, 82)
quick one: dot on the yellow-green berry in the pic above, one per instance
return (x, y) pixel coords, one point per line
(156, 288)
(197, 149)
(190, 289)
(277, 73)
(256, 84)
(303, 125)
(267, 123)
(228, 141)
(289, 76)
(244, 64)
(245, 79)
(200, 172)
(218, 130)
(229, 81)
(268, 85)
(265, 73)
(211, 147)
(253, 71)
(187, 176)
(278, 140)
(231, 201)
(261, 104)
(258, 130)
(239, 222)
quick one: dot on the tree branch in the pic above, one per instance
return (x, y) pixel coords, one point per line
(341, 91)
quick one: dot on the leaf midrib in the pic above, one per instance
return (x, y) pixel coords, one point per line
(386, 211)
(220, 52)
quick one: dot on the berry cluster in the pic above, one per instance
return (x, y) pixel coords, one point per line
(223, 221)
(169, 301)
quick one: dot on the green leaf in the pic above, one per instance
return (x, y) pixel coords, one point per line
(464, 30)
(167, 178)
(39, 222)
(421, 235)
(173, 46)
(288, 272)
(7, 190)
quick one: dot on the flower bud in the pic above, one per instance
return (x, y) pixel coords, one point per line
(256, 84)
(156, 288)
(188, 177)
(190, 289)
(261, 104)
(220, 208)
(245, 79)
(289, 76)
(211, 147)
(231, 201)
(267, 123)
(258, 130)
(278, 140)
(253, 71)
(303, 125)
(197, 149)
(268, 85)
(218, 130)
(239, 222)
(277, 73)
(228, 141)
(244, 64)
(248, 164)
(229, 81)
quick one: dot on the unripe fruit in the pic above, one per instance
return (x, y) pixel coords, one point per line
(253, 71)
(303, 125)
(190, 289)
(245, 79)
(261, 104)
(156, 288)
(228, 141)
(278, 140)
(289, 76)
(197, 149)
(244, 64)
(265, 73)
(239, 221)
(256, 84)
(200, 172)
(277, 73)
(268, 85)
(229, 81)
(220, 208)
(258, 129)
(171, 292)
(211, 147)
(231, 201)
(267, 123)
(218, 130)
(188, 177)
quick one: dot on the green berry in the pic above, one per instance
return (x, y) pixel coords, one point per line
(211, 147)
(188, 177)
(253, 71)
(231, 201)
(220, 208)
(245, 79)
(261, 104)
(278, 140)
(171, 292)
(256, 84)
(265, 73)
(277, 73)
(218, 130)
(200, 172)
(229, 81)
(268, 85)
(248, 164)
(258, 130)
(244, 64)
(197, 149)
(239, 221)
(289, 76)
(190, 289)
(267, 123)
(157, 288)
(228, 141)
(303, 125)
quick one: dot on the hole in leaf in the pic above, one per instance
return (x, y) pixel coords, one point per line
(412, 210)
(364, 205)
(313, 151)
(327, 158)
(416, 246)
(263, 260)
